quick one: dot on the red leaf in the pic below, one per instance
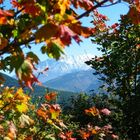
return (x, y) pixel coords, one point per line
(25, 73)
(80, 30)
(5, 13)
(86, 4)
(3, 16)
(66, 34)
(30, 7)
(134, 15)
(1, 1)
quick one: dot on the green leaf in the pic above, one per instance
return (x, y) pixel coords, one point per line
(53, 50)
(15, 33)
(33, 56)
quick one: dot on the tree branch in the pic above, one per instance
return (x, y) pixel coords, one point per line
(15, 44)
(113, 3)
(18, 12)
(93, 8)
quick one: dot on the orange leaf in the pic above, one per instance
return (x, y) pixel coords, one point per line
(84, 134)
(3, 16)
(32, 9)
(3, 41)
(134, 15)
(51, 96)
(66, 35)
(137, 3)
(92, 111)
(3, 20)
(66, 136)
(25, 73)
(80, 30)
(42, 113)
(1, 1)
(6, 13)
(55, 111)
(46, 32)
(29, 138)
(94, 131)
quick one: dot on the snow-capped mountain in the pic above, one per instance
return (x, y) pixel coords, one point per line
(65, 65)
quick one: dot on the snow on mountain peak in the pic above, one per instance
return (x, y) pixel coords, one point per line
(66, 64)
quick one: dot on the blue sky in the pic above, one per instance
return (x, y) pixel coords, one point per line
(113, 12)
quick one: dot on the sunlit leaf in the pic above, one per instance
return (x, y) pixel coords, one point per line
(55, 111)
(53, 50)
(25, 73)
(42, 113)
(63, 5)
(86, 4)
(92, 111)
(30, 7)
(3, 16)
(46, 32)
(80, 30)
(22, 108)
(84, 134)
(66, 35)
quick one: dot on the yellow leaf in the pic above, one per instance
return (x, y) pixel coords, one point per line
(55, 111)
(22, 108)
(63, 5)
(19, 95)
(1, 103)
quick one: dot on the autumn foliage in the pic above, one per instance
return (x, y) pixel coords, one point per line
(55, 23)
(50, 25)
(22, 120)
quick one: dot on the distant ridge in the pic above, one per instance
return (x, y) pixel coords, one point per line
(9, 81)
(63, 96)
(81, 81)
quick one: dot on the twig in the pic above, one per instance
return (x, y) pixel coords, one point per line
(93, 8)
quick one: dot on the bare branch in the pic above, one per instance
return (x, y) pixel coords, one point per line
(93, 8)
